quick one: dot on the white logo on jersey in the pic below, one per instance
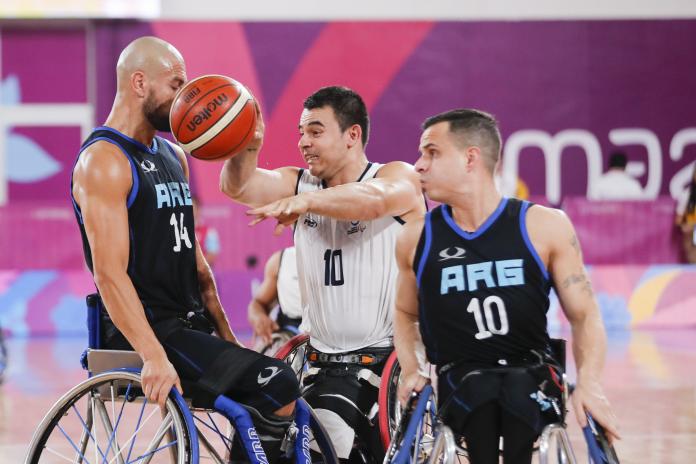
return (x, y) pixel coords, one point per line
(148, 166)
(263, 381)
(458, 254)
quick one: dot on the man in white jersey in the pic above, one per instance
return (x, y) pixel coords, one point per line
(280, 288)
(348, 213)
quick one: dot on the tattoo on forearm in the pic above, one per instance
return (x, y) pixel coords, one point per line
(579, 278)
(575, 243)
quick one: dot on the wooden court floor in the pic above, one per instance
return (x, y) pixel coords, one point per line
(650, 378)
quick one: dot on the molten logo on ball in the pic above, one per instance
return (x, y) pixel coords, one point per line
(207, 111)
(213, 117)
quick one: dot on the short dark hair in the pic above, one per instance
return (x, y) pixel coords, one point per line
(477, 127)
(347, 105)
(618, 159)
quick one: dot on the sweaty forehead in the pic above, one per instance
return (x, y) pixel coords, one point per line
(323, 115)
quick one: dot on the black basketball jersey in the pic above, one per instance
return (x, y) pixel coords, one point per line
(162, 255)
(483, 296)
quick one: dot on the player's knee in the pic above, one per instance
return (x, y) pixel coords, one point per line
(278, 380)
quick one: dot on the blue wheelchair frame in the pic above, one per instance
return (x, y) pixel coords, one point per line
(240, 418)
(599, 449)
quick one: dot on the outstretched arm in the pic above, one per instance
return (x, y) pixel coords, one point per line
(242, 180)
(580, 307)
(407, 339)
(394, 192)
(101, 182)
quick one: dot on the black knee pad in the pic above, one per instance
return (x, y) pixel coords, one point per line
(269, 385)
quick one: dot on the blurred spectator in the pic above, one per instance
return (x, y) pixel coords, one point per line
(686, 219)
(510, 185)
(617, 184)
(207, 236)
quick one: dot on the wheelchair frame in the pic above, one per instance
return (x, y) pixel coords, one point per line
(115, 376)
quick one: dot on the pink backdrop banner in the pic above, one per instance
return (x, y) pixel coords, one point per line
(613, 232)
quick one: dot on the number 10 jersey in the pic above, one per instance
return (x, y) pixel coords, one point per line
(347, 272)
(483, 295)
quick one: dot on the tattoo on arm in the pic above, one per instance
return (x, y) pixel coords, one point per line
(575, 244)
(579, 278)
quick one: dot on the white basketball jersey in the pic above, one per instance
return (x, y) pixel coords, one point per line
(347, 272)
(288, 285)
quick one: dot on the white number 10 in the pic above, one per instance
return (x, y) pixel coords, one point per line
(487, 328)
(180, 232)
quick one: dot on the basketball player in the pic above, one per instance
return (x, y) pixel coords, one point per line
(348, 212)
(133, 204)
(474, 278)
(280, 285)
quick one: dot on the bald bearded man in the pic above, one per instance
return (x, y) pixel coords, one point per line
(132, 202)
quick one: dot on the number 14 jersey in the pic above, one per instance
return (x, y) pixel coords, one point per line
(347, 272)
(483, 295)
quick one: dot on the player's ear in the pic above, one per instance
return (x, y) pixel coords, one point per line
(473, 156)
(138, 83)
(354, 135)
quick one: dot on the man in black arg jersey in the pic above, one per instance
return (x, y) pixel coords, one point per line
(474, 280)
(133, 205)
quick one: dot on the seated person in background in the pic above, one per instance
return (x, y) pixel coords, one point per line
(279, 286)
(686, 219)
(617, 184)
(474, 280)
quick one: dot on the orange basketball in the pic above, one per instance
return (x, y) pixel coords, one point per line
(213, 117)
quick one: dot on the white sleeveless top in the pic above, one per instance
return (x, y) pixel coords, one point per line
(347, 272)
(288, 285)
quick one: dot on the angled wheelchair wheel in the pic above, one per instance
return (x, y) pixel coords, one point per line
(389, 407)
(107, 419)
(294, 353)
(278, 340)
(317, 439)
(420, 436)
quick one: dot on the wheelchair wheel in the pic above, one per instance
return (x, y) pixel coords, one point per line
(389, 408)
(278, 340)
(319, 438)
(293, 353)
(414, 436)
(107, 419)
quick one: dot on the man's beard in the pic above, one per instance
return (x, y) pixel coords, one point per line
(158, 116)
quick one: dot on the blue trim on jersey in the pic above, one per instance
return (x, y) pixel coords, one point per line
(152, 150)
(525, 236)
(75, 207)
(134, 171)
(171, 150)
(426, 248)
(484, 227)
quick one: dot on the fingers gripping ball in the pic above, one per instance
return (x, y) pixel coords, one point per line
(213, 117)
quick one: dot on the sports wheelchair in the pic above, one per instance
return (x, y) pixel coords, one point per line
(421, 436)
(388, 411)
(106, 419)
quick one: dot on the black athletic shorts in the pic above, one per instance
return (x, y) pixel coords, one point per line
(517, 392)
(209, 366)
